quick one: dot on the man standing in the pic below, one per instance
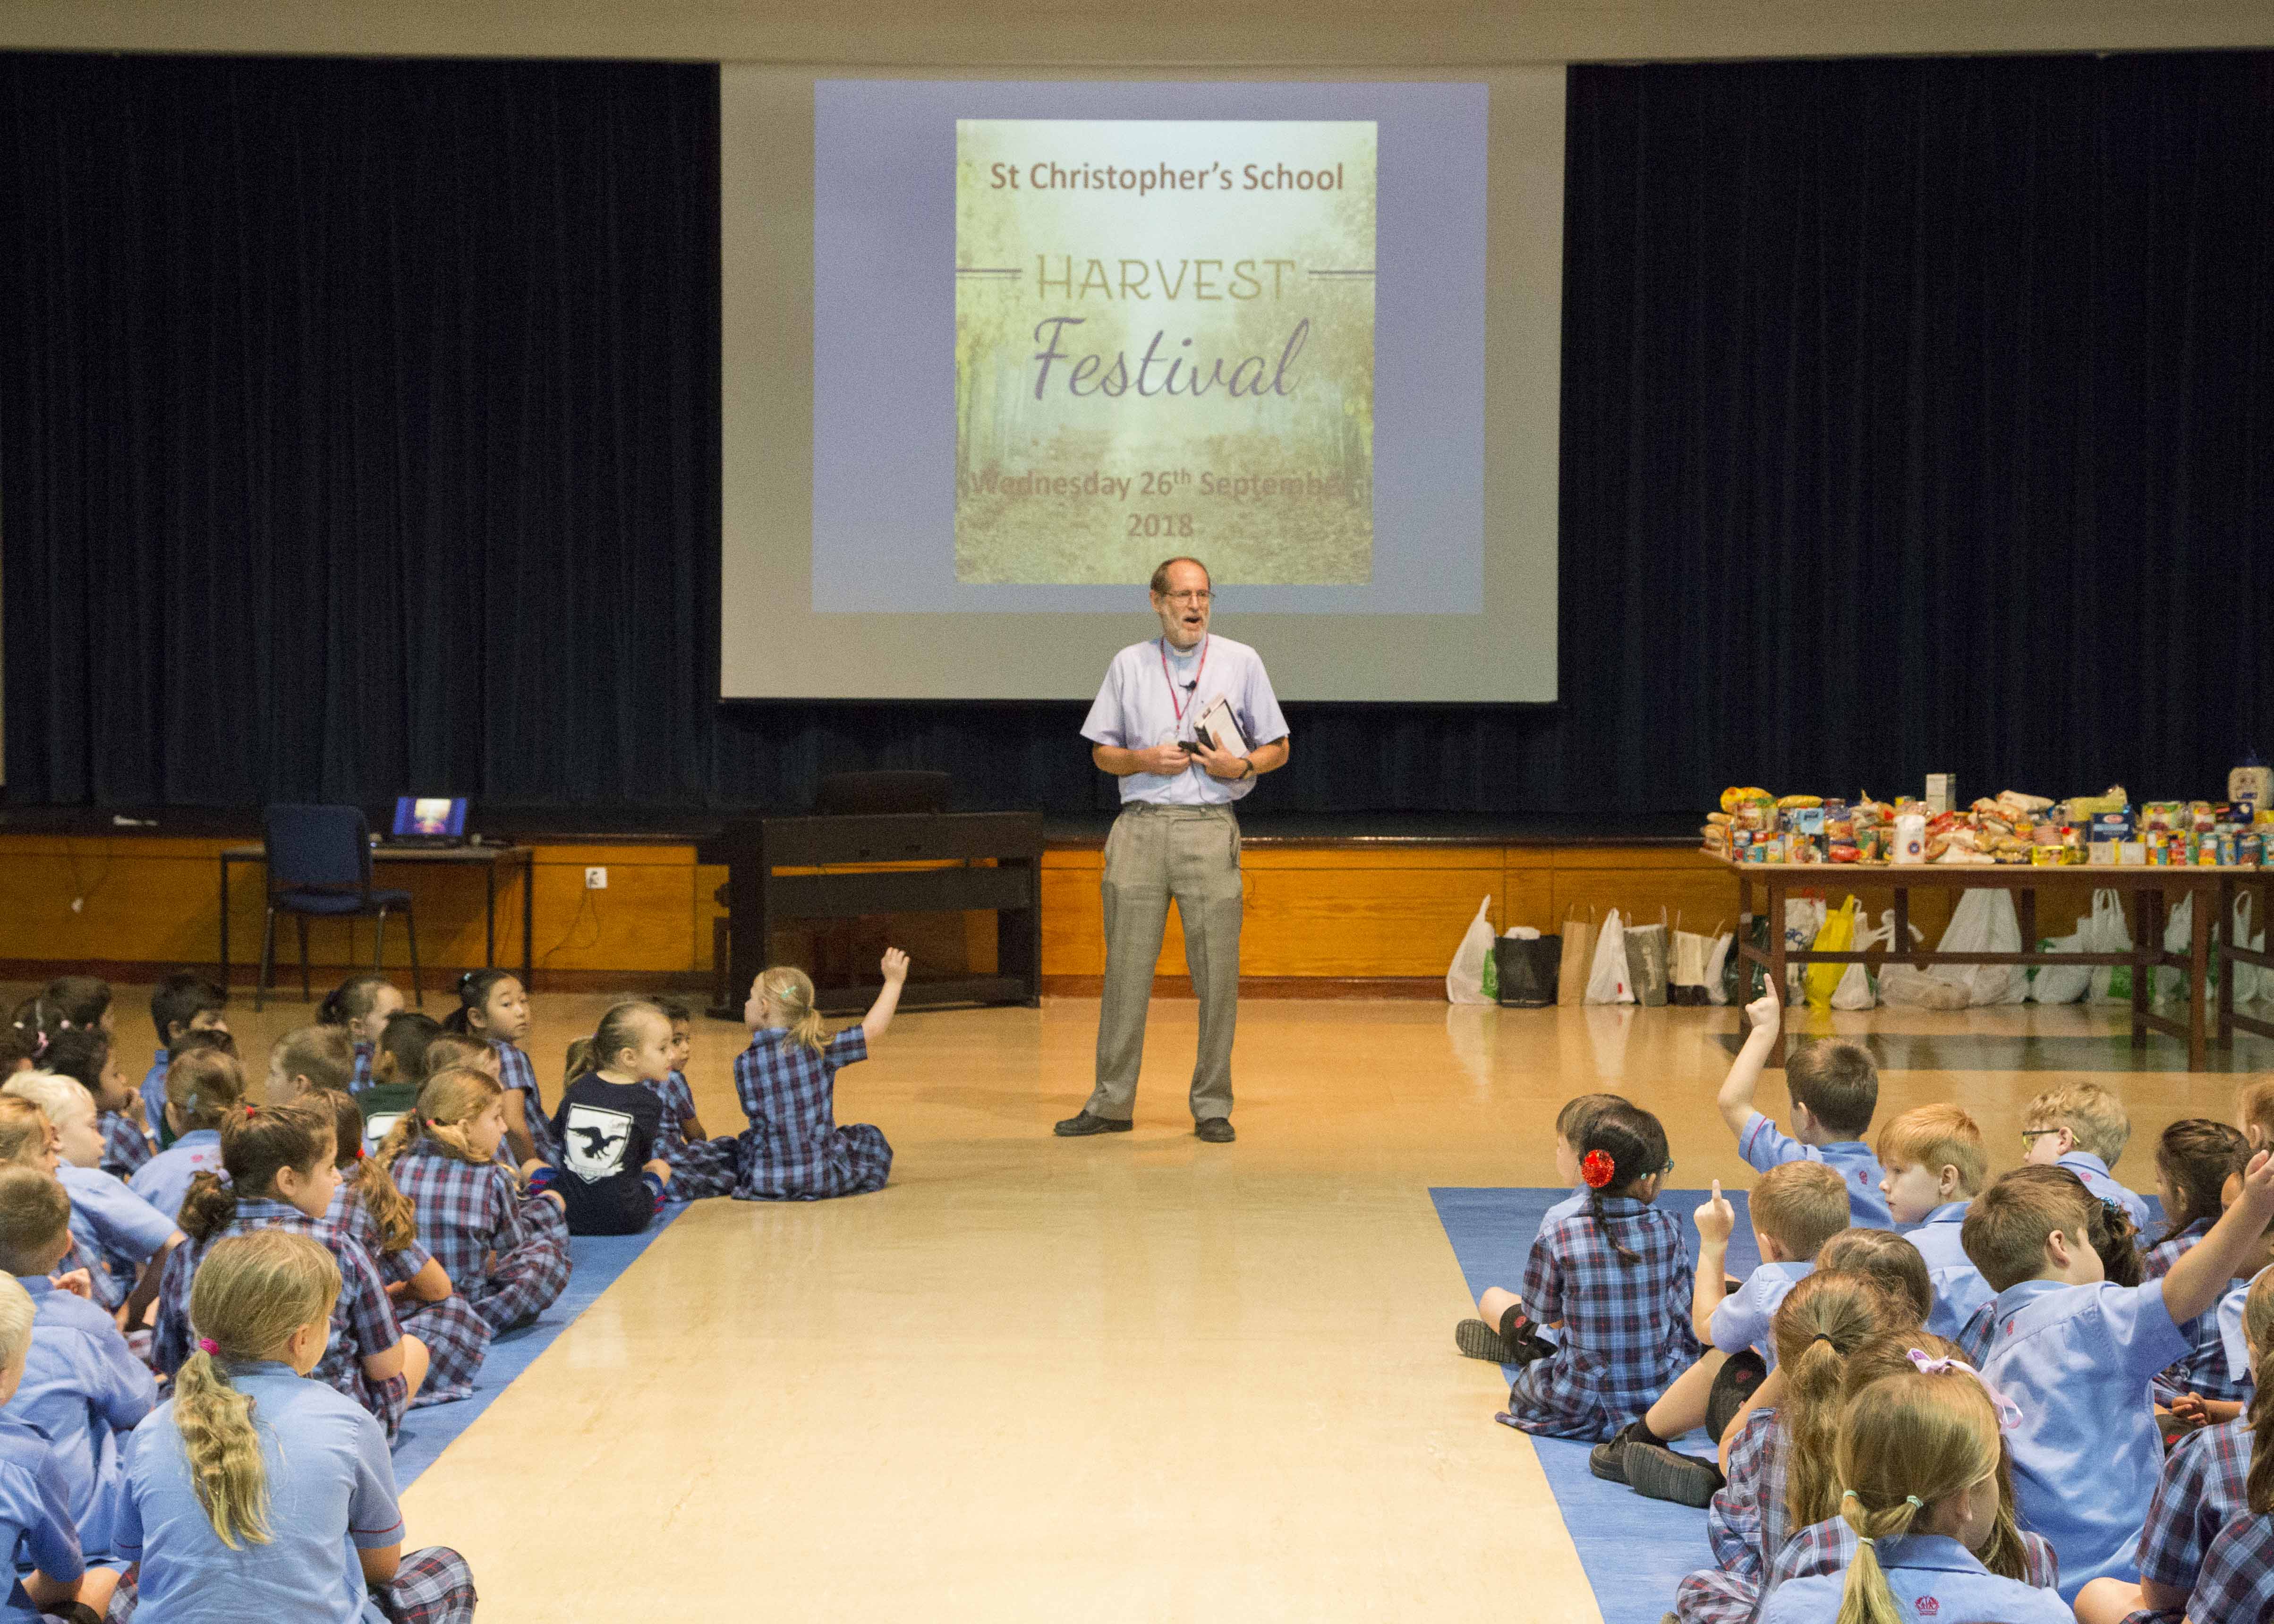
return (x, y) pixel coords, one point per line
(1175, 838)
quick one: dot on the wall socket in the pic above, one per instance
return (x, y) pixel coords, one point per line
(595, 879)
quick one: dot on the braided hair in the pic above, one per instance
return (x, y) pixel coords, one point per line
(1620, 1147)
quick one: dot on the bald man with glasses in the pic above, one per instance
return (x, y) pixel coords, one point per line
(1176, 840)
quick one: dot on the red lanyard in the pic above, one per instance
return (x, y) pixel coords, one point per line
(1171, 682)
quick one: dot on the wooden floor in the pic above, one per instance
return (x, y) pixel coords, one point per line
(1133, 1377)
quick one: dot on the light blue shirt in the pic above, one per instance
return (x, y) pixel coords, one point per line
(110, 1219)
(1931, 1578)
(1137, 709)
(1959, 1288)
(154, 1091)
(35, 1519)
(331, 1494)
(1744, 1318)
(1764, 1147)
(2239, 1367)
(81, 1389)
(164, 1179)
(2079, 1361)
(2103, 1186)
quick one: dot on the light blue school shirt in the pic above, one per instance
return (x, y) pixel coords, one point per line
(2239, 1367)
(1763, 1148)
(164, 1179)
(2103, 1185)
(35, 1519)
(1935, 1579)
(331, 1494)
(1959, 1288)
(110, 1219)
(1744, 1317)
(1137, 708)
(2079, 1361)
(81, 1389)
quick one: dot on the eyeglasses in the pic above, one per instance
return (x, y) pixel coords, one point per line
(2030, 1136)
(1201, 597)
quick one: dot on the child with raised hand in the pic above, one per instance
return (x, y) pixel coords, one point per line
(308, 1058)
(508, 1254)
(787, 1081)
(82, 1388)
(90, 1058)
(1795, 1208)
(494, 1007)
(254, 1494)
(279, 1163)
(612, 1182)
(1779, 1470)
(1609, 1279)
(1935, 1166)
(360, 1007)
(367, 1206)
(1504, 1334)
(2196, 1162)
(121, 1236)
(203, 1086)
(2083, 1127)
(2081, 1355)
(35, 1522)
(184, 1003)
(1835, 1086)
(700, 1166)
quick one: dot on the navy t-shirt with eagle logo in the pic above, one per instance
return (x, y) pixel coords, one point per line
(607, 1133)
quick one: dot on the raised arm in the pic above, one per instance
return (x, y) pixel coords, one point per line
(2199, 1278)
(1717, 1220)
(1735, 1099)
(896, 972)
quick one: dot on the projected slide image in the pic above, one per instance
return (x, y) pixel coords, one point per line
(1164, 341)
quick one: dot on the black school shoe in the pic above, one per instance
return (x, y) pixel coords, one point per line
(1082, 1124)
(1215, 1130)
(1479, 1341)
(1609, 1459)
(1656, 1472)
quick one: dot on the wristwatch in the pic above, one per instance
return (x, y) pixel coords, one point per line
(1247, 762)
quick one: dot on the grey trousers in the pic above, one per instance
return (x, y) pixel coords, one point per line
(1157, 852)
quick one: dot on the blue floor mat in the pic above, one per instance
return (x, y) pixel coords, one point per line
(598, 1262)
(1634, 1550)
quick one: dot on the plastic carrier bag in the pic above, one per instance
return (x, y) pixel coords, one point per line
(2064, 983)
(1607, 977)
(1465, 983)
(1717, 967)
(2248, 978)
(2111, 934)
(1856, 990)
(1647, 964)
(1985, 922)
(1837, 934)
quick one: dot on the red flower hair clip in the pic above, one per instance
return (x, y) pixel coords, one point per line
(1596, 1167)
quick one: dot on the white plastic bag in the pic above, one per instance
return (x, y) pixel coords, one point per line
(1606, 979)
(1804, 917)
(2111, 934)
(1717, 961)
(1904, 986)
(2248, 978)
(2179, 937)
(1984, 922)
(1465, 983)
(2064, 984)
(1855, 991)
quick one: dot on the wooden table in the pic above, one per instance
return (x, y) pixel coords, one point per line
(2153, 890)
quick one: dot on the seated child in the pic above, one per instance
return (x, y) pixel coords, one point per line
(400, 1067)
(360, 1007)
(1827, 1546)
(368, 1207)
(2204, 1486)
(82, 1389)
(184, 1003)
(2082, 1127)
(612, 1182)
(309, 1058)
(35, 1519)
(507, 1253)
(1609, 1280)
(1935, 1164)
(81, 1003)
(2237, 1570)
(203, 1086)
(2080, 1355)
(786, 1080)
(1504, 1336)
(700, 1166)
(1795, 1208)
(2113, 1240)
(1780, 1475)
(279, 1162)
(1889, 1262)
(1835, 1086)
(494, 1007)
(254, 1494)
(2196, 1162)
(122, 1237)
(1917, 1462)
(90, 1058)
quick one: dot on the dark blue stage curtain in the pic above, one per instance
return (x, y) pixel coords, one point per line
(359, 429)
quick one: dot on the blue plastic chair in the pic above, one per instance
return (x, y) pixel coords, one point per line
(319, 866)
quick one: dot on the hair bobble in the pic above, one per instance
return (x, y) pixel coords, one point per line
(1597, 1167)
(2009, 1413)
(207, 1346)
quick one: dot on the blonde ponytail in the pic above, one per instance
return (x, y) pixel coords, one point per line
(1907, 1443)
(250, 1294)
(450, 1099)
(790, 990)
(1822, 1320)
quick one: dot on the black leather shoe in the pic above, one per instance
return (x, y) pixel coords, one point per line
(1082, 1124)
(1215, 1130)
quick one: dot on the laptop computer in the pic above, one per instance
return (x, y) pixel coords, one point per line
(429, 820)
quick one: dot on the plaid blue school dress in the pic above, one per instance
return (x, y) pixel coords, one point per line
(2204, 1371)
(457, 1338)
(514, 1072)
(1827, 1547)
(362, 1320)
(794, 1150)
(2203, 1489)
(1745, 1526)
(125, 1147)
(508, 1257)
(699, 1168)
(361, 1079)
(2237, 1575)
(1625, 1331)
